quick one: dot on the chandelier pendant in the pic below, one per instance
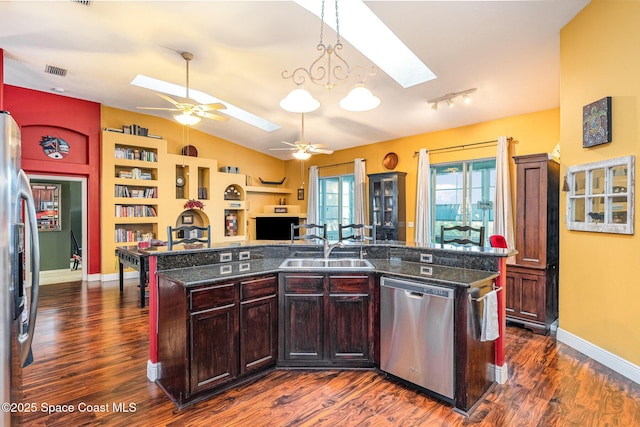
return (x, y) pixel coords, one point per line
(329, 69)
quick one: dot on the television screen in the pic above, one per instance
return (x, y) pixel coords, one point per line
(275, 228)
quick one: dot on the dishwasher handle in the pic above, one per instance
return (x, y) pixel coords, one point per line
(417, 289)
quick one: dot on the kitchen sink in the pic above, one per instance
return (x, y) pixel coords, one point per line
(327, 263)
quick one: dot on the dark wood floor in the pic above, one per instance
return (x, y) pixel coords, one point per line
(91, 350)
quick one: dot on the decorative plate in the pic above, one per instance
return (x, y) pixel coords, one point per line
(390, 161)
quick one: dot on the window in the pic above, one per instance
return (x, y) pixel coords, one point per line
(463, 194)
(336, 202)
(600, 196)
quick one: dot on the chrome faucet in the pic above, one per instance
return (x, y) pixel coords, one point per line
(328, 248)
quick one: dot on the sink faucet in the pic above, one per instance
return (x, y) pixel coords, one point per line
(328, 248)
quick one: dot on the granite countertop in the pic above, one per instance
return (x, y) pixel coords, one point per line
(452, 276)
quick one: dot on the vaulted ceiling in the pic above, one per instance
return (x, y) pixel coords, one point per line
(508, 50)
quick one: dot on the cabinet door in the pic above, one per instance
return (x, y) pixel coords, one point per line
(350, 315)
(258, 323)
(258, 333)
(349, 327)
(213, 347)
(303, 327)
(526, 296)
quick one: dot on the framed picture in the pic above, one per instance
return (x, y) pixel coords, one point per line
(46, 197)
(280, 209)
(300, 193)
(187, 219)
(596, 123)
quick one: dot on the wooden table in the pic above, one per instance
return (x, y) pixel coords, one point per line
(129, 256)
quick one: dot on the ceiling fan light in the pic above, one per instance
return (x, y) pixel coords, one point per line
(301, 155)
(466, 98)
(359, 99)
(300, 100)
(187, 119)
(434, 106)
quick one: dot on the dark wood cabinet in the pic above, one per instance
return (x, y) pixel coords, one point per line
(327, 320)
(213, 348)
(214, 336)
(387, 205)
(350, 312)
(258, 323)
(532, 282)
(302, 317)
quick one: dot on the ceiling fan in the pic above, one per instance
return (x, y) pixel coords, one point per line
(303, 149)
(190, 114)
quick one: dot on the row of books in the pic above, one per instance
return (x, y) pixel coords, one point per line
(135, 129)
(124, 235)
(146, 193)
(136, 211)
(133, 154)
(135, 173)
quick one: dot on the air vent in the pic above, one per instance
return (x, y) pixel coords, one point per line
(82, 2)
(56, 71)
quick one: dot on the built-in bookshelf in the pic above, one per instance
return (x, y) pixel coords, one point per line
(130, 203)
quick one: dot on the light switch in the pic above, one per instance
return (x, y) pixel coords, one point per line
(410, 224)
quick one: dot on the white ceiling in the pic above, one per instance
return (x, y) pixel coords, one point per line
(508, 50)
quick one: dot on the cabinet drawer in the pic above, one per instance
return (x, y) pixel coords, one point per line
(211, 296)
(303, 283)
(258, 287)
(352, 284)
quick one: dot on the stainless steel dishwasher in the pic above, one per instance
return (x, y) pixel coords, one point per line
(416, 333)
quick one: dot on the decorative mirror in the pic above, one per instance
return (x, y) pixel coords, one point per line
(600, 196)
(46, 197)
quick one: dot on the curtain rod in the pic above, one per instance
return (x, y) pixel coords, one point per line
(415, 153)
(338, 164)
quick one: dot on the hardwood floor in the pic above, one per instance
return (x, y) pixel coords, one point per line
(91, 348)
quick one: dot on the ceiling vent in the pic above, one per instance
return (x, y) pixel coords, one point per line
(82, 2)
(56, 71)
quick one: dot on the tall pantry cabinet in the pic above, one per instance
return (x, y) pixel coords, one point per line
(532, 282)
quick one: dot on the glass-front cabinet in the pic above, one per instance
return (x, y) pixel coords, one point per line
(387, 205)
(600, 196)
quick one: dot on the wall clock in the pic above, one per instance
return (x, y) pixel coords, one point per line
(179, 181)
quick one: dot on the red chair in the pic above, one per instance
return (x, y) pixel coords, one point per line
(498, 241)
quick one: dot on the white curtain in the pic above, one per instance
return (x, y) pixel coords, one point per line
(359, 188)
(313, 207)
(423, 200)
(503, 222)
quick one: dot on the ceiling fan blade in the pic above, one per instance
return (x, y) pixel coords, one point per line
(288, 143)
(283, 149)
(320, 150)
(158, 108)
(212, 116)
(166, 98)
(214, 106)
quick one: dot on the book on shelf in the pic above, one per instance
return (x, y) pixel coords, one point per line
(135, 154)
(135, 211)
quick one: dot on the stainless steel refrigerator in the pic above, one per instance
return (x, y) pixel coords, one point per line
(18, 309)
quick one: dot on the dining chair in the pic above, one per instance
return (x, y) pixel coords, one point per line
(465, 230)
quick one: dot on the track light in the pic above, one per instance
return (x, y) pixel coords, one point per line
(448, 98)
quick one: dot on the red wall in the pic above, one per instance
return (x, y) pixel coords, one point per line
(77, 122)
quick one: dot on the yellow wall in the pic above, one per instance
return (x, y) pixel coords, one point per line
(599, 272)
(533, 133)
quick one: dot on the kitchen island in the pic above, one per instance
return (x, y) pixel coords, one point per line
(222, 323)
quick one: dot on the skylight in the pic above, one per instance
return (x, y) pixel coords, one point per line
(367, 33)
(203, 98)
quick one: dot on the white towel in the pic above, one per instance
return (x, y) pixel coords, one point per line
(490, 328)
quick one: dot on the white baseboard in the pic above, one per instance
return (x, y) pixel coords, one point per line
(610, 360)
(94, 277)
(501, 373)
(152, 370)
(116, 276)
